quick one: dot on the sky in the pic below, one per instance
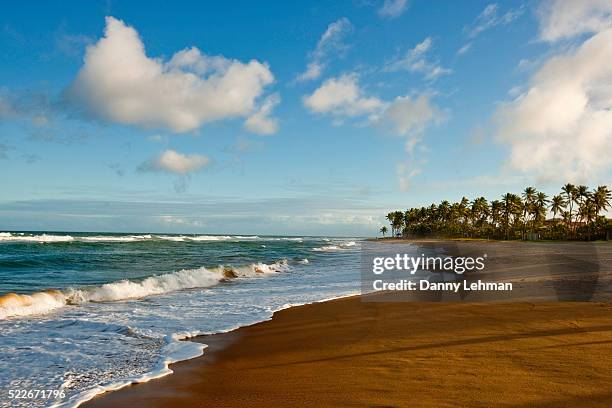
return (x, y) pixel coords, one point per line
(293, 118)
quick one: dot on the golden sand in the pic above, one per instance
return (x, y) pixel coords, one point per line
(352, 353)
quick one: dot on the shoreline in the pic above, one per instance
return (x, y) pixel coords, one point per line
(164, 366)
(243, 356)
(564, 345)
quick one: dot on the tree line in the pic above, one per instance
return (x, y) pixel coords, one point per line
(577, 214)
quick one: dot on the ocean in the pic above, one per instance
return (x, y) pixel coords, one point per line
(93, 312)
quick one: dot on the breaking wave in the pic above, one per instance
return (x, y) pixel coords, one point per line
(42, 238)
(50, 238)
(338, 247)
(14, 305)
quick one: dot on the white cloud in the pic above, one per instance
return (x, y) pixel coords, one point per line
(404, 116)
(173, 162)
(120, 83)
(490, 17)
(416, 60)
(463, 50)
(330, 43)
(409, 116)
(342, 96)
(560, 128)
(260, 122)
(313, 71)
(562, 19)
(392, 8)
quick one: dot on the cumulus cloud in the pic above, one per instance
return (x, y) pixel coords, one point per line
(406, 116)
(118, 82)
(490, 17)
(392, 8)
(409, 116)
(330, 43)
(561, 19)
(560, 127)
(416, 60)
(342, 96)
(260, 122)
(171, 161)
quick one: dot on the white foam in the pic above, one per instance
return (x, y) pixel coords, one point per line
(172, 238)
(106, 238)
(210, 238)
(304, 261)
(13, 305)
(176, 351)
(42, 238)
(338, 247)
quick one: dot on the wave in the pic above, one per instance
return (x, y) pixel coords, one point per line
(210, 238)
(50, 238)
(15, 305)
(42, 238)
(178, 348)
(339, 247)
(106, 238)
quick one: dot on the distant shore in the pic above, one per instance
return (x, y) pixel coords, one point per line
(356, 352)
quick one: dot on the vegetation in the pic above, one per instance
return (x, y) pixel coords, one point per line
(577, 214)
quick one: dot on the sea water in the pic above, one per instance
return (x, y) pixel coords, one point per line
(85, 313)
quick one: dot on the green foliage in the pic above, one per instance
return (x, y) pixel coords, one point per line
(576, 214)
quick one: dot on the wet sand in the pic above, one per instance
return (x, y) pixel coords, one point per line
(355, 353)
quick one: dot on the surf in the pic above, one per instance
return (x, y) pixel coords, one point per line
(19, 305)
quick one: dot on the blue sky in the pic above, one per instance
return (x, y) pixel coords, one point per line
(292, 117)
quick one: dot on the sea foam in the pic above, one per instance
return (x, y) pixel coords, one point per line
(339, 247)
(14, 305)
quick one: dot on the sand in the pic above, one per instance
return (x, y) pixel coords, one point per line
(354, 353)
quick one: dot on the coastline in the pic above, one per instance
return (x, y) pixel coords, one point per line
(348, 352)
(353, 352)
(189, 346)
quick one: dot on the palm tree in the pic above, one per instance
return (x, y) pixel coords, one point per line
(601, 198)
(570, 191)
(390, 219)
(507, 202)
(509, 216)
(529, 195)
(581, 193)
(397, 222)
(557, 205)
(444, 211)
(588, 213)
(540, 204)
(383, 230)
(496, 212)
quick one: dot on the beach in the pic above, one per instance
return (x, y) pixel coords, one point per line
(352, 353)
(359, 352)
